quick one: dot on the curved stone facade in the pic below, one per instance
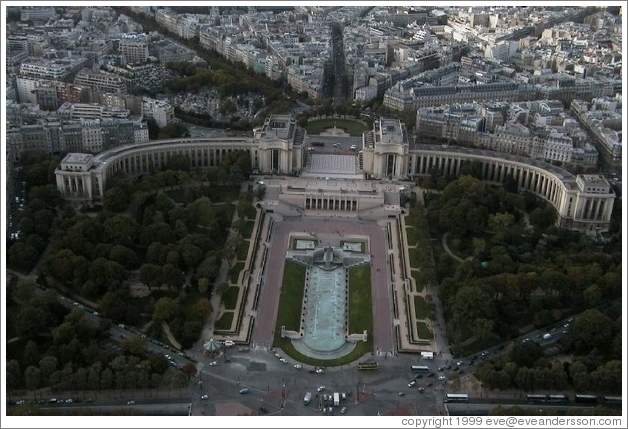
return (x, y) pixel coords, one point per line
(584, 202)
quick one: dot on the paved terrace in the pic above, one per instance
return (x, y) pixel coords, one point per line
(266, 271)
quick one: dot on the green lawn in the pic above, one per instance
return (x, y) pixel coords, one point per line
(224, 323)
(424, 331)
(242, 250)
(247, 229)
(412, 235)
(234, 272)
(230, 298)
(360, 301)
(420, 308)
(418, 280)
(415, 256)
(352, 127)
(291, 298)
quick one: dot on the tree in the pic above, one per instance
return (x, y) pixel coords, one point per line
(201, 310)
(190, 332)
(13, 374)
(135, 345)
(22, 257)
(179, 162)
(525, 353)
(93, 379)
(172, 276)
(229, 249)
(24, 291)
(482, 328)
(501, 222)
(158, 232)
(32, 378)
(203, 285)
(120, 229)
(123, 256)
(106, 379)
(227, 107)
(63, 333)
(31, 321)
(115, 200)
(191, 254)
(208, 268)
(591, 330)
(222, 289)
(260, 192)
(165, 309)
(189, 369)
(61, 265)
(151, 275)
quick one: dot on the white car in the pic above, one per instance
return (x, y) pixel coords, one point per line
(442, 378)
(298, 366)
(320, 388)
(320, 370)
(214, 363)
(282, 360)
(131, 403)
(204, 397)
(343, 410)
(412, 383)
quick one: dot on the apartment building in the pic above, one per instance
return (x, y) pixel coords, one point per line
(161, 111)
(134, 48)
(101, 81)
(57, 69)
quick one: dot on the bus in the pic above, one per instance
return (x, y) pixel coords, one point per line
(586, 399)
(557, 398)
(456, 397)
(536, 398)
(612, 401)
(367, 366)
(420, 368)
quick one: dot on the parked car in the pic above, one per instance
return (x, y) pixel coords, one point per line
(282, 360)
(131, 403)
(412, 383)
(204, 397)
(298, 366)
(320, 388)
(343, 410)
(214, 363)
(243, 391)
